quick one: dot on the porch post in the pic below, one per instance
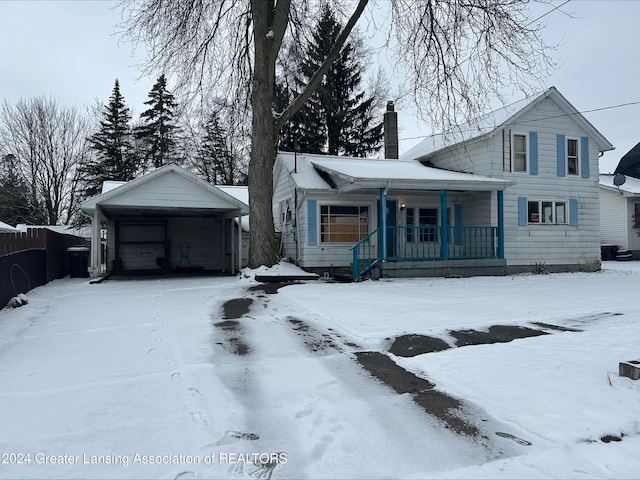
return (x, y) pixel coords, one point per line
(444, 221)
(383, 225)
(500, 224)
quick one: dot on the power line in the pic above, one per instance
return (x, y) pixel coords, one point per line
(460, 130)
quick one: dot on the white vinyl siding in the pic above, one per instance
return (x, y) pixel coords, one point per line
(562, 244)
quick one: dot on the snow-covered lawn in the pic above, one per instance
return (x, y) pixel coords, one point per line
(147, 379)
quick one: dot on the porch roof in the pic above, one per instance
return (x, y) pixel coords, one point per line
(344, 174)
(169, 190)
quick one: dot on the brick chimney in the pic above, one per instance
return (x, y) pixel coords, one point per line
(390, 132)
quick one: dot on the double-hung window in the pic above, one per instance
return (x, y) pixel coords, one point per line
(547, 212)
(426, 219)
(519, 152)
(573, 164)
(343, 223)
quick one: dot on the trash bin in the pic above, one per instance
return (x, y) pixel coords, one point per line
(78, 262)
(608, 252)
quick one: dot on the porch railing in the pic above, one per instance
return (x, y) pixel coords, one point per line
(406, 243)
(365, 254)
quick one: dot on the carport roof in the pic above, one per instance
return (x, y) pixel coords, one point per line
(169, 190)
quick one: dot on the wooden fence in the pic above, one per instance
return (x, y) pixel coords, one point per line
(33, 258)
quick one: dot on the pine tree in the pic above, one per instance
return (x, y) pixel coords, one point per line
(16, 204)
(159, 130)
(216, 162)
(338, 119)
(115, 158)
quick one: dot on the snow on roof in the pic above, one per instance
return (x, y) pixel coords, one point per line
(486, 124)
(464, 132)
(371, 173)
(6, 228)
(631, 186)
(239, 192)
(109, 185)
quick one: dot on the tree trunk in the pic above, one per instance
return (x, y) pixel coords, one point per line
(263, 249)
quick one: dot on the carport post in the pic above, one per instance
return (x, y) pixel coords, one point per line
(96, 243)
(239, 243)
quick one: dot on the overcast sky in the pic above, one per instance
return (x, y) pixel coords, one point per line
(68, 50)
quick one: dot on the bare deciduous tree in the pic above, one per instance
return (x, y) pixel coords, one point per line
(48, 142)
(457, 54)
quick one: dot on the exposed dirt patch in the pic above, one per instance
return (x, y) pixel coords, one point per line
(611, 438)
(559, 328)
(272, 287)
(442, 406)
(496, 334)
(228, 325)
(233, 340)
(314, 340)
(236, 308)
(412, 345)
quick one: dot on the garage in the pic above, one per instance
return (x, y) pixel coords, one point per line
(167, 221)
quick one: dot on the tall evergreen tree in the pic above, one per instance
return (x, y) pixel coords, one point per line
(216, 161)
(338, 119)
(16, 204)
(159, 129)
(115, 158)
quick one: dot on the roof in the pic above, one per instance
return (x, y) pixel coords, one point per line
(488, 124)
(629, 164)
(322, 173)
(630, 187)
(117, 196)
(6, 228)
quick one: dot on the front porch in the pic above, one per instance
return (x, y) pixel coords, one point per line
(442, 250)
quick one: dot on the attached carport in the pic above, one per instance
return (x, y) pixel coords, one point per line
(166, 221)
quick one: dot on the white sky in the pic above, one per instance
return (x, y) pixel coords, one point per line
(68, 49)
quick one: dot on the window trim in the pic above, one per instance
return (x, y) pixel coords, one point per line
(577, 157)
(554, 211)
(370, 224)
(527, 153)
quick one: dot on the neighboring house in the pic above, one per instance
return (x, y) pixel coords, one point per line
(618, 204)
(629, 164)
(165, 221)
(515, 190)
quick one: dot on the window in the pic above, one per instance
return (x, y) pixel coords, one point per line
(343, 223)
(636, 215)
(519, 152)
(285, 211)
(547, 212)
(422, 217)
(572, 157)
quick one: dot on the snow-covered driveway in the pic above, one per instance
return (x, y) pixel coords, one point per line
(156, 379)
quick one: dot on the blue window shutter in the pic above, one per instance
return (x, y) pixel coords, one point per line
(312, 221)
(533, 153)
(573, 212)
(584, 156)
(457, 221)
(560, 147)
(522, 211)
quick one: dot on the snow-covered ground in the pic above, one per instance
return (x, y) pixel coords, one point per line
(148, 379)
